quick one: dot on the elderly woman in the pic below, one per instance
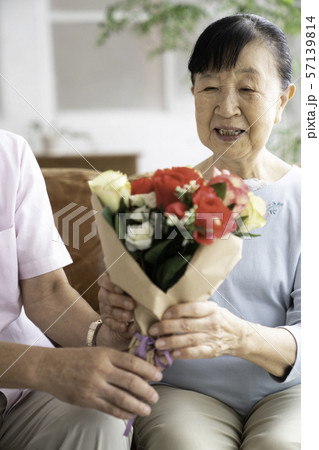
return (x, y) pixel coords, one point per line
(235, 381)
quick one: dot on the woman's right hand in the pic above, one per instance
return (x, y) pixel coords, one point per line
(116, 309)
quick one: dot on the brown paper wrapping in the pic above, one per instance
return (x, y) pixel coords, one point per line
(207, 270)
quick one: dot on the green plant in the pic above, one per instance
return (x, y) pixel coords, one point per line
(285, 143)
(175, 21)
(284, 13)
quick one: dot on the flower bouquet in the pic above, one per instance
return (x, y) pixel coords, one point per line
(171, 237)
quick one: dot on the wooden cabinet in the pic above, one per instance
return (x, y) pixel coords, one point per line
(126, 163)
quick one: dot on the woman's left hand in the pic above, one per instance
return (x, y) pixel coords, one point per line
(199, 330)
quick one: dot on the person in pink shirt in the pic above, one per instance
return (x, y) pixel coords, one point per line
(54, 398)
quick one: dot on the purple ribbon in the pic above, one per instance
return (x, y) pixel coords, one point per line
(141, 351)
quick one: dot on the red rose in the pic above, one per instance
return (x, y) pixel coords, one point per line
(213, 219)
(167, 180)
(236, 190)
(177, 208)
(142, 186)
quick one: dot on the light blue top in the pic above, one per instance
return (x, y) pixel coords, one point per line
(264, 288)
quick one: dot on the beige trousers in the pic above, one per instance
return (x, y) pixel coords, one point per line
(42, 422)
(186, 420)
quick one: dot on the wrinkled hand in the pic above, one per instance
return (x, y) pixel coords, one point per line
(117, 312)
(100, 378)
(199, 330)
(116, 309)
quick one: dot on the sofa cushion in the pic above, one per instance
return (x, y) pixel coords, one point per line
(70, 199)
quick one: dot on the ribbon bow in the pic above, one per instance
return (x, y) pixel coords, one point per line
(141, 351)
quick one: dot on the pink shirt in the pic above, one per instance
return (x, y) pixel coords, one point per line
(28, 242)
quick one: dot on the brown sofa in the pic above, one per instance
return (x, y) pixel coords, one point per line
(70, 196)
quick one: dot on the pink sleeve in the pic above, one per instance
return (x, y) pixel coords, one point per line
(39, 248)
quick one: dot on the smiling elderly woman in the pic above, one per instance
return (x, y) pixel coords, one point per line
(235, 381)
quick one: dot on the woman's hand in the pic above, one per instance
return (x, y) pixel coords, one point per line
(116, 309)
(199, 330)
(206, 330)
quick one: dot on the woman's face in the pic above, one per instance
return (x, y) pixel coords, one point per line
(236, 109)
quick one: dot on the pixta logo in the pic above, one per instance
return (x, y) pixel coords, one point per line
(71, 218)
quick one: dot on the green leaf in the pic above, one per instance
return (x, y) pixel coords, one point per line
(241, 234)
(122, 206)
(171, 270)
(153, 254)
(220, 189)
(108, 216)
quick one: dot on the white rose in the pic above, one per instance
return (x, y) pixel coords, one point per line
(139, 214)
(137, 200)
(148, 199)
(111, 186)
(139, 237)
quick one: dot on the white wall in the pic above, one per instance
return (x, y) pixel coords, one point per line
(26, 75)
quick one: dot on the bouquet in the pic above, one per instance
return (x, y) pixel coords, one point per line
(171, 237)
